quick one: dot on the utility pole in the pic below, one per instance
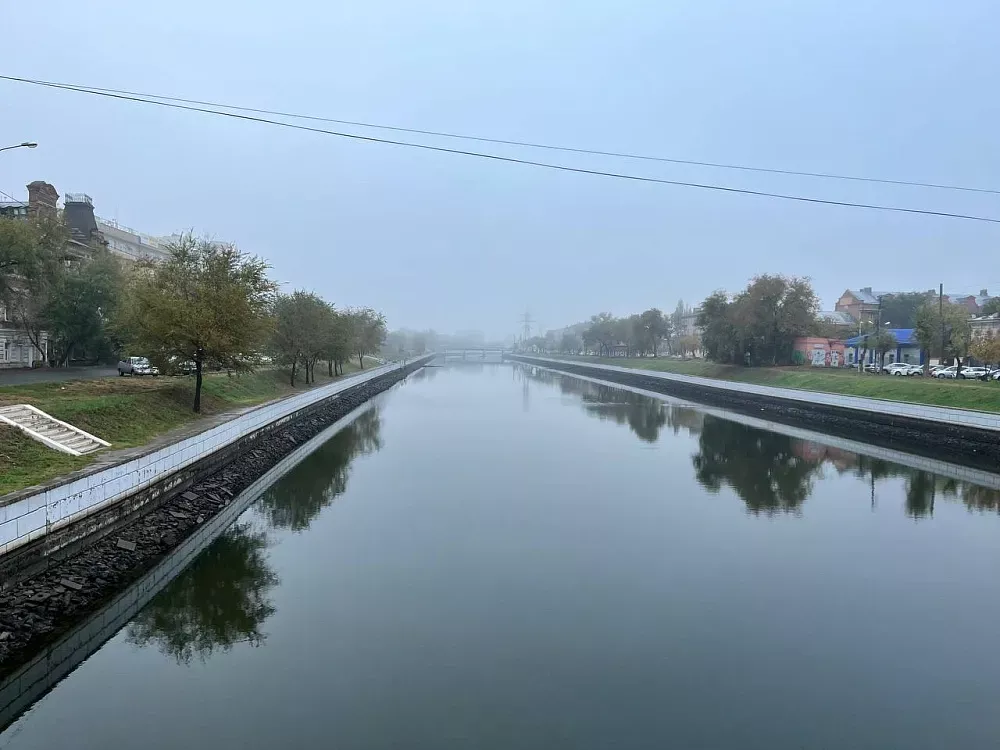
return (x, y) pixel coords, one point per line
(941, 318)
(880, 358)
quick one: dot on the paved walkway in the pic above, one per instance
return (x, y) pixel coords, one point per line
(54, 375)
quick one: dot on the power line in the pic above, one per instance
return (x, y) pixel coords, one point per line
(546, 146)
(509, 159)
(531, 144)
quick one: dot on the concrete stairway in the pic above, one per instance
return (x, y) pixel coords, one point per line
(45, 429)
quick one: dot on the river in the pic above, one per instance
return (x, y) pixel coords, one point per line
(494, 556)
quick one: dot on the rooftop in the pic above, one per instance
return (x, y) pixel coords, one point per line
(870, 297)
(837, 317)
(904, 337)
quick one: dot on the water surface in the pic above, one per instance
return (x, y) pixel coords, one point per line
(499, 557)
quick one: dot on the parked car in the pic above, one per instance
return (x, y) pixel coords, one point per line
(178, 366)
(967, 373)
(137, 366)
(974, 373)
(872, 367)
(898, 368)
(916, 370)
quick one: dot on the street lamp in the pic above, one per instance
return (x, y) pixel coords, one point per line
(26, 144)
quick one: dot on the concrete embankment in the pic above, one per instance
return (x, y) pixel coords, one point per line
(48, 589)
(959, 436)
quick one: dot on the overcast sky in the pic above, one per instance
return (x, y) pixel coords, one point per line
(903, 89)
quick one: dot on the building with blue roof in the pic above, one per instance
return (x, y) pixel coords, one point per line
(907, 348)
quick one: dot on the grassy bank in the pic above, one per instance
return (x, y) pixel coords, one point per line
(126, 412)
(962, 394)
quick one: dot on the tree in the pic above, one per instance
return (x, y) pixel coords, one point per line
(881, 342)
(685, 344)
(301, 329)
(627, 331)
(84, 299)
(29, 250)
(720, 336)
(902, 309)
(772, 312)
(992, 306)
(677, 318)
(600, 333)
(419, 343)
(570, 343)
(32, 255)
(986, 348)
(369, 332)
(760, 324)
(654, 327)
(551, 341)
(947, 324)
(206, 302)
(338, 342)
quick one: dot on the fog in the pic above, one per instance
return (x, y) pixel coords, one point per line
(898, 90)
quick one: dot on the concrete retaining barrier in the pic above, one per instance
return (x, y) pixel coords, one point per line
(942, 415)
(989, 479)
(32, 680)
(29, 517)
(961, 436)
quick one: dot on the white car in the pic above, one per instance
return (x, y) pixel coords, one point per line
(898, 368)
(968, 373)
(973, 373)
(137, 366)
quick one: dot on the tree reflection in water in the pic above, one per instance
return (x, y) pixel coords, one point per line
(772, 473)
(221, 599)
(644, 416)
(762, 467)
(295, 500)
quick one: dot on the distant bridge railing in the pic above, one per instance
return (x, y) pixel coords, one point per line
(473, 354)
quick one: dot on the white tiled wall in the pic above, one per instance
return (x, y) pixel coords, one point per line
(36, 515)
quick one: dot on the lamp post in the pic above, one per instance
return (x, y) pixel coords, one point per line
(26, 144)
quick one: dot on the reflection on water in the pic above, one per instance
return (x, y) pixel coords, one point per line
(221, 599)
(298, 498)
(763, 468)
(771, 472)
(424, 373)
(645, 416)
(604, 571)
